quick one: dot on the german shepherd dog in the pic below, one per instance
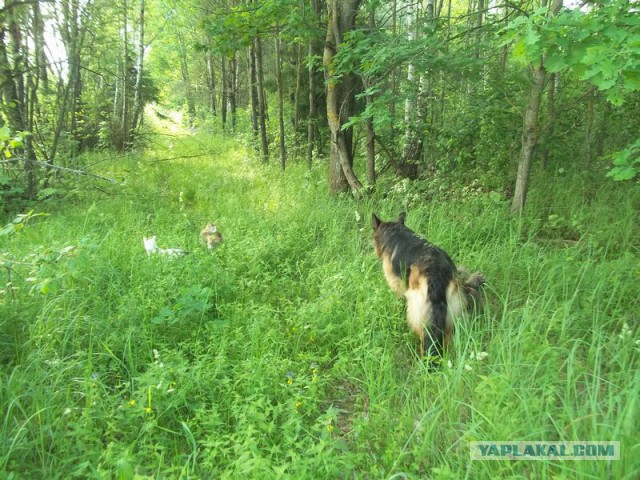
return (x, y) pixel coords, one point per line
(435, 291)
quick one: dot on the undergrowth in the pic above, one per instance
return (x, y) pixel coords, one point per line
(283, 354)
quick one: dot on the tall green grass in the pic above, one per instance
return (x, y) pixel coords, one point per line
(283, 354)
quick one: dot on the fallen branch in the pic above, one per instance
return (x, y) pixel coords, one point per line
(179, 157)
(77, 172)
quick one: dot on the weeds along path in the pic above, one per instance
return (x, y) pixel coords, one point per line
(282, 354)
(109, 355)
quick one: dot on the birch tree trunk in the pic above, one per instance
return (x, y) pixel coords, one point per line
(137, 98)
(415, 108)
(124, 113)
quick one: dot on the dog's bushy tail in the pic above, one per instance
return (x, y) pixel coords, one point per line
(434, 336)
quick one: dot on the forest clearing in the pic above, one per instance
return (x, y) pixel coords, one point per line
(188, 281)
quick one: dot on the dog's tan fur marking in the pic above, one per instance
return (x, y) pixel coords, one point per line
(418, 305)
(395, 283)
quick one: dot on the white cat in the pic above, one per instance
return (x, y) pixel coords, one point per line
(151, 246)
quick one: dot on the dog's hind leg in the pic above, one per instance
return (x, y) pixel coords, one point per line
(418, 305)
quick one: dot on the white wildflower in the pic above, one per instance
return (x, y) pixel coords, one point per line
(480, 356)
(626, 331)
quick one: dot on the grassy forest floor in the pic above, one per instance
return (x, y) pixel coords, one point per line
(283, 354)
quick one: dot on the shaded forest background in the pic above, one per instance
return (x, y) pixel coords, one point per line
(479, 91)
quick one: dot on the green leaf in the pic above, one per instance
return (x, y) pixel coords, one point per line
(627, 162)
(620, 174)
(519, 49)
(532, 37)
(631, 81)
(555, 62)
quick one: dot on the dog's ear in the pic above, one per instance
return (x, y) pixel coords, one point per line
(402, 217)
(375, 221)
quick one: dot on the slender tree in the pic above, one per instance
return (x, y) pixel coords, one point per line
(312, 120)
(530, 127)
(280, 87)
(340, 97)
(137, 100)
(262, 100)
(14, 103)
(253, 95)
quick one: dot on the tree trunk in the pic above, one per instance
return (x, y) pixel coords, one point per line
(73, 36)
(394, 75)
(14, 106)
(225, 93)
(551, 118)
(590, 123)
(137, 98)
(602, 117)
(233, 89)
(262, 103)
(186, 80)
(313, 111)
(415, 109)
(283, 153)
(371, 147)
(39, 44)
(298, 90)
(211, 80)
(479, 20)
(253, 96)
(340, 98)
(530, 128)
(125, 77)
(530, 133)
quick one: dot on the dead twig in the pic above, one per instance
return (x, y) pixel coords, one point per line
(77, 172)
(180, 157)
